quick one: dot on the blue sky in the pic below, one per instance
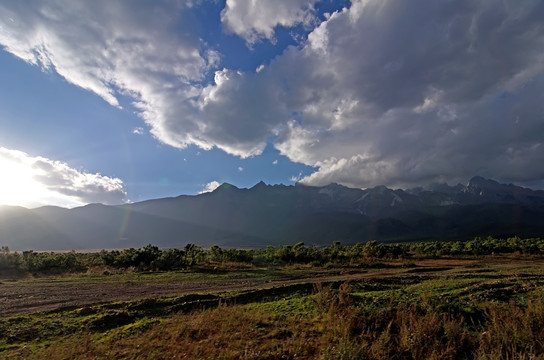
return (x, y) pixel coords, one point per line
(116, 101)
(68, 123)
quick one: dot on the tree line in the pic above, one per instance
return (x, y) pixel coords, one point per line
(150, 257)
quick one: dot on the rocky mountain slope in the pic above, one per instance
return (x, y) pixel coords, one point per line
(279, 214)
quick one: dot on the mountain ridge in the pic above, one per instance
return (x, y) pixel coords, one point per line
(278, 214)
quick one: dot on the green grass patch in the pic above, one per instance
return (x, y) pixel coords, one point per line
(497, 313)
(296, 304)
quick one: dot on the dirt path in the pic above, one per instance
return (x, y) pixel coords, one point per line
(45, 295)
(23, 297)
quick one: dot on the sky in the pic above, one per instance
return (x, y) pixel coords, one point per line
(117, 101)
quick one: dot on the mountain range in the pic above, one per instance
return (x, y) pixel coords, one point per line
(278, 214)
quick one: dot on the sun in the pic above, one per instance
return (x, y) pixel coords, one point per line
(18, 186)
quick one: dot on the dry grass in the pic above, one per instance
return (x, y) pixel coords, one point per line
(223, 333)
(331, 324)
(341, 330)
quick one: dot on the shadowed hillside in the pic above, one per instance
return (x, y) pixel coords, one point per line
(279, 214)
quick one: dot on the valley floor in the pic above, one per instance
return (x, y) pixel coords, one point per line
(452, 308)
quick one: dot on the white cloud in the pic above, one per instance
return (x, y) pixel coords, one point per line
(240, 169)
(34, 181)
(118, 48)
(211, 186)
(256, 19)
(138, 131)
(384, 92)
(296, 178)
(275, 162)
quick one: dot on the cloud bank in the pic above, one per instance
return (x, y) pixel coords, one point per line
(390, 93)
(383, 92)
(34, 181)
(254, 20)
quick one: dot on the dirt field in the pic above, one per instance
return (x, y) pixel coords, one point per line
(24, 297)
(50, 294)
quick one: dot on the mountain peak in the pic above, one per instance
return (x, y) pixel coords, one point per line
(335, 186)
(380, 189)
(478, 181)
(224, 186)
(259, 185)
(233, 217)
(481, 186)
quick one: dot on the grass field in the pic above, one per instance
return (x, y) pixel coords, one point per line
(473, 308)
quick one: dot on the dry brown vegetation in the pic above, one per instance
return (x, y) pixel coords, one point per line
(477, 308)
(342, 332)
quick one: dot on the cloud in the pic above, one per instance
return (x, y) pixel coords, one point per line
(138, 131)
(382, 92)
(426, 95)
(211, 186)
(34, 181)
(137, 49)
(240, 169)
(275, 162)
(386, 92)
(256, 20)
(114, 48)
(296, 178)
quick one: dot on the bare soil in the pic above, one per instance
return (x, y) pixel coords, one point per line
(48, 294)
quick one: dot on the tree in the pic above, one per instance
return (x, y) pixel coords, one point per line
(216, 253)
(370, 249)
(193, 254)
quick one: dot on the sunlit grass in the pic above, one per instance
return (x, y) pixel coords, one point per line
(424, 315)
(343, 331)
